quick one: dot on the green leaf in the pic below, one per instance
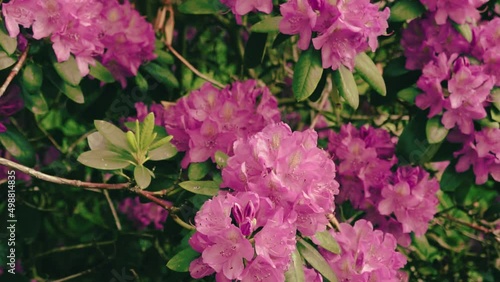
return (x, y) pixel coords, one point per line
(327, 241)
(159, 142)
(8, 44)
(464, 30)
(18, 146)
(73, 92)
(221, 159)
(307, 74)
(132, 141)
(103, 159)
(207, 188)
(32, 78)
(370, 73)
(396, 67)
(180, 262)
(68, 70)
(141, 82)
(405, 10)
(197, 7)
(5, 60)
(267, 25)
(347, 86)
(495, 114)
(451, 179)
(280, 38)
(413, 146)
(142, 176)
(316, 260)
(112, 134)
(162, 75)
(97, 141)
(147, 131)
(163, 152)
(409, 94)
(35, 102)
(295, 272)
(254, 49)
(101, 72)
(197, 171)
(164, 58)
(435, 130)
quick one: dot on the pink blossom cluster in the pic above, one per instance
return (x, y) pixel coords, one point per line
(486, 47)
(366, 254)
(143, 214)
(398, 202)
(10, 103)
(210, 120)
(460, 11)
(242, 7)
(280, 182)
(143, 110)
(481, 150)
(113, 33)
(343, 28)
(465, 96)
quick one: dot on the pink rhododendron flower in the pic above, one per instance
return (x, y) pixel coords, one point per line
(460, 11)
(243, 7)
(486, 47)
(10, 103)
(143, 214)
(366, 254)
(209, 119)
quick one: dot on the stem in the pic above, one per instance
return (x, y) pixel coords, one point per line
(149, 195)
(14, 71)
(113, 210)
(60, 180)
(75, 247)
(181, 222)
(193, 69)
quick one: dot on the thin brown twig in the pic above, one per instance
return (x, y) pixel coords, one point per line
(76, 275)
(60, 180)
(471, 225)
(14, 71)
(193, 69)
(113, 210)
(75, 247)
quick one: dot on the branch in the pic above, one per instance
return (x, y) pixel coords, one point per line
(59, 180)
(113, 210)
(149, 195)
(14, 71)
(193, 69)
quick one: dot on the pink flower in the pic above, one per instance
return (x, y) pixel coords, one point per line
(142, 215)
(18, 12)
(210, 120)
(460, 11)
(366, 254)
(298, 18)
(260, 269)
(486, 47)
(243, 7)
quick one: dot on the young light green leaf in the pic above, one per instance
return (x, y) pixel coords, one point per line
(208, 188)
(295, 272)
(465, 30)
(132, 141)
(35, 102)
(101, 72)
(103, 159)
(221, 159)
(327, 241)
(5, 60)
(18, 146)
(141, 82)
(370, 73)
(146, 136)
(347, 86)
(435, 130)
(32, 77)
(196, 171)
(97, 141)
(267, 25)
(112, 134)
(404, 10)
(73, 92)
(164, 58)
(68, 70)
(196, 7)
(8, 44)
(409, 94)
(162, 153)
(180, 262)
(307, 74)
(316, 260)
(495, 114)
(142, 176)
(159, 142)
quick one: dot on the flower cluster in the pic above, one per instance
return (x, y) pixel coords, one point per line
(210, 120)
(486, 47)
(366, 254)
(460, 11)
(114, 34)
(480, 150)
(289, 169)
(343, 28)
(280, 182)
(143, 214)
(143, 110)
(365, 158)
(243, 7)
